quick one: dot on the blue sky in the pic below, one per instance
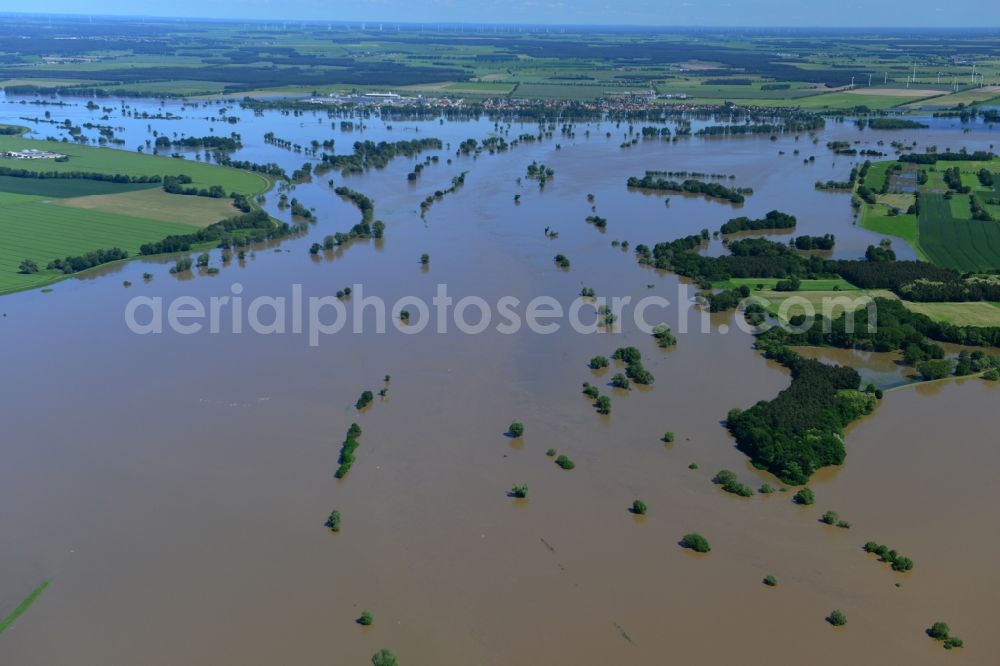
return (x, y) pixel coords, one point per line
(851, 13)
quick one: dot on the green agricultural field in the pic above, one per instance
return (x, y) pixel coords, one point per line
(876, 218)
(962, 244)
(43, 219)
(66, 187)
(43, 231)
(112, 161)
(833, 284)
(976, 313)
(155, 204)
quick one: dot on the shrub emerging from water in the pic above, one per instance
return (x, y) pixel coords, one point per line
(366, 619)
(516, 429)
(620, 381)
(837, 618)
(896, 561)
(770, 581)
(598, 362)
(804, 497)
(639, 508)
(664, 336)
(940, 631)
(731, 484)
(519, 491)
(693, 466)
(765, 489)
(364, 400)
(347, 450)
(603, 405)
(695, 542)
(565, 462)
(830, 517)
(561, 261)
(425, 259)
(668, 437)
(590, 390)
(333, 521)
(550, 453)
(384, 658)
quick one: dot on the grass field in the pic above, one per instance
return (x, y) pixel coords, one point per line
(155, 204)
(50, 218)
(845, 100)
(976, 313)
(66, 187)
(807, 285)
(787, 304)
(43, 231)
(112, 161)
(962, 244)
(876, 218)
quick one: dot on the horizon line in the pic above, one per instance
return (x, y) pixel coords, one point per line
(494, 24)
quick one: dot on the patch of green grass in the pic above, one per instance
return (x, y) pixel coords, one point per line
(876, 218)
(57, 188)
(975, 313)
(41, 231)
(962, 244)
(23, 607)
(806, 285)
(113, 161)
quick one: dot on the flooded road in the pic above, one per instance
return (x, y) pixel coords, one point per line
(173, 487)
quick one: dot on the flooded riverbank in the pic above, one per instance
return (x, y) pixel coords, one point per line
(173, 487)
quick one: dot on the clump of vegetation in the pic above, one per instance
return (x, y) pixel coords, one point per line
(765, 489)
(693, 466)
(590, 390)
(804, 497)
(620, 381)
(384, 658)
(837, 618)
(425, 259)
(770, 581)
(639, 508)
(516, 429)
(519, 491)
(598, 362)
(603, 405)
(587, 292)
(27, 267)
(731, 484)
(565, 462)
(632, 358)
(897, 561)
(668, 437)
(182, 265)
(830, 518)
(366, 619)
(695, 542)
(364, 400)
(550, 453)
(333, 521)
(940, 631)
(664, 336)
(561, 261)
(347, 450)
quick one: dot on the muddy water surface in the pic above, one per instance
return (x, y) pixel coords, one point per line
(174, 487)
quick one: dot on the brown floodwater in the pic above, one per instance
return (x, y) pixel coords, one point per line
(173, 487)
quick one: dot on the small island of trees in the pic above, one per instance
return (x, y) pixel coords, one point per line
(695, 542)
